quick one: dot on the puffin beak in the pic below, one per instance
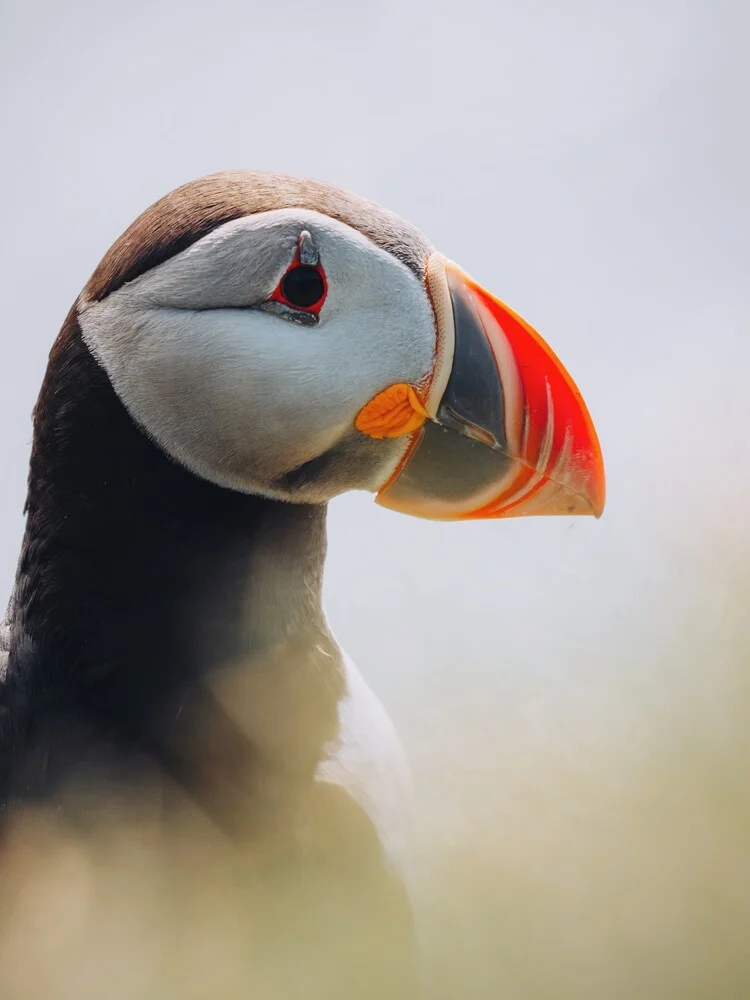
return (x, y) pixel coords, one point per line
(501, 429)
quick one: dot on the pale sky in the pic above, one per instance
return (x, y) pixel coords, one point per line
(586, 161)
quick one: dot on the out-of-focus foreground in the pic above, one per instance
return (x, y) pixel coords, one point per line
(611, 861)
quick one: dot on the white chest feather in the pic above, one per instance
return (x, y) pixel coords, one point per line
(369, 763)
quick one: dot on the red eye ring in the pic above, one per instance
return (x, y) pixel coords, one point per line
(303, 287)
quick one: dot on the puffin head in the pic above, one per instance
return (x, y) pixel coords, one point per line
(281, 337)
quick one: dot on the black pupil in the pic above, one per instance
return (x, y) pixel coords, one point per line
(303, 287)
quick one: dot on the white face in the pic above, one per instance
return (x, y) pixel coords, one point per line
(245, 397)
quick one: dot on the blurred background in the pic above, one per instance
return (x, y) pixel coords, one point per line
(574, 696)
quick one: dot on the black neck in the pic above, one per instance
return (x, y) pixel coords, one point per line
(138, 579)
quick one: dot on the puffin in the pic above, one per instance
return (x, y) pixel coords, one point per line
(251, 347)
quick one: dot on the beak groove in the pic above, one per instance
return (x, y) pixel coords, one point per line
(520, 439)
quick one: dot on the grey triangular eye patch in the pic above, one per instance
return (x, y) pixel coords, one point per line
(308, 252)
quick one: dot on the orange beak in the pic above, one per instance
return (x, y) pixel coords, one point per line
(501, 430)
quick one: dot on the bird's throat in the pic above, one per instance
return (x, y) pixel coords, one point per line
(157, 606)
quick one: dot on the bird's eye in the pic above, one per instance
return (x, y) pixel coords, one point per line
(303, 287)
